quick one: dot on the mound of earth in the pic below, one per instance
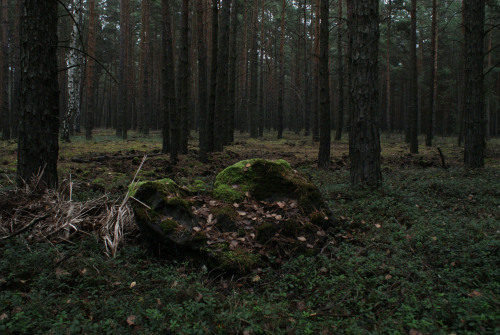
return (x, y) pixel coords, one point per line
(259, 211)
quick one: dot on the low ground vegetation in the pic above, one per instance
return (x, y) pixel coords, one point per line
(419, 254)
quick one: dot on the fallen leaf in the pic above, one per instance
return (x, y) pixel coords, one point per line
(197, 229)
(415, 332)
(242, 213)
(131, 320)
(199, 297)
(133, 284)
(281, 204)
(310, 246)
(158, 301)
(301, 238)
(378, 225)
(388, 277)
(83, 271)
(248, 165)
(475, 294)
(256, 278)
(3, 316)
(235, 205)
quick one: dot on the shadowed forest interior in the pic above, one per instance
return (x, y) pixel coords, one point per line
(249, 167)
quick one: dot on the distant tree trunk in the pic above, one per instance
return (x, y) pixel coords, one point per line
(281, 93)
(91, 105)
(431, 115)
(123, 99)
(232, 72)
(170, 144)
(144, 69)
(74, 73)
(202, 81)
(461, 87)
(364, 138)
(325, 132)
(413, 106)
(222, 77)
(388, 71)
(474, 94)
(261, 76)
(315, 119)
(184, 75)
(16, 68)
(4, 73)
(39, 94)
(213, 76)
(254, 75)
(487, 108)
(307, 74)
(340, 69)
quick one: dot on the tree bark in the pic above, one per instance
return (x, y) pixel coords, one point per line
(232, 73)
(316, 107)
(281, 84)
(213, 76)
(340, 69)
(144, 69)
(39, 94)
(222, 77)
(202, 81)
(91, 103)
(388, 71)
(4, 73)
(325, 132)
(254, 75)
(473, 94)
(413, 106)
(431, 115)
(364, 138)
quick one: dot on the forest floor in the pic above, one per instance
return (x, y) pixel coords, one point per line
(419, 255)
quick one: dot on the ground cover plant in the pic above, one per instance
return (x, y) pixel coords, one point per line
(418, 255)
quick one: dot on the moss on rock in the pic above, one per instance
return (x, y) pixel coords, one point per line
(169, 226)
(237, 260)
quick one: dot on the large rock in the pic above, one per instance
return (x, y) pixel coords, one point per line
(263, 211)
(266, 180)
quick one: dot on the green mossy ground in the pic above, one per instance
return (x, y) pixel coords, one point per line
(420, 254)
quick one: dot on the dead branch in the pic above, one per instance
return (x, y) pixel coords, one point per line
(443, 161)
(29, 226)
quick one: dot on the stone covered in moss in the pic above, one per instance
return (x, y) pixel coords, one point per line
(165, 218)
(267, 180)
(238, 260)
(226, 217)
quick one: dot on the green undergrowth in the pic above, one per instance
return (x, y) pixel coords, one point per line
(421, 253)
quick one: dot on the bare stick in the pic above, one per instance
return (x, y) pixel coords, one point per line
(22, 230)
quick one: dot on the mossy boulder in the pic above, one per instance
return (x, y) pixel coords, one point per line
(266, 180)
(164, 216)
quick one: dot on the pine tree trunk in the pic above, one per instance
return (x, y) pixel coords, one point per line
(281, 93)
(184, 75)
(202, 80)
(4, 73)
(261, 75)
(222, 77)
(144, 70)
(123, 99)
(431, 115)
(229, 131)
(316, 107)
(364, 138)
(325, 132)
(254, 75)
(413, 106)
(213, 76)
(473, 95)
(91, 105)
(388, 72)
(39, 94)
(340, 70)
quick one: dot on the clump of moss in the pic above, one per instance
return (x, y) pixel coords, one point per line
(169, 226)
(291, 227)
(199, 239)
(164, 186)
(238, 260)
(226, 217)
(100, 182)
(181, 204)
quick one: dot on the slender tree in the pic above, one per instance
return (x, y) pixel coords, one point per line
(170, 143)
(123, 98)
(39, 93)
(474, 13)
(91, 105)
(325, 132)
(184, 75)
(413, 105)
(340, 70)
(388, 70)
(4, 73)
(281, 93)
(431, 115)
(254, 72)
(213, 75)
(316, 107)
(144, 68)
(221, 102)
(364, 138)
(74, 72)
(202, 80)
(232, 81)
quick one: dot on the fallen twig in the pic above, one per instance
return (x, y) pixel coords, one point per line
(29, 226)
